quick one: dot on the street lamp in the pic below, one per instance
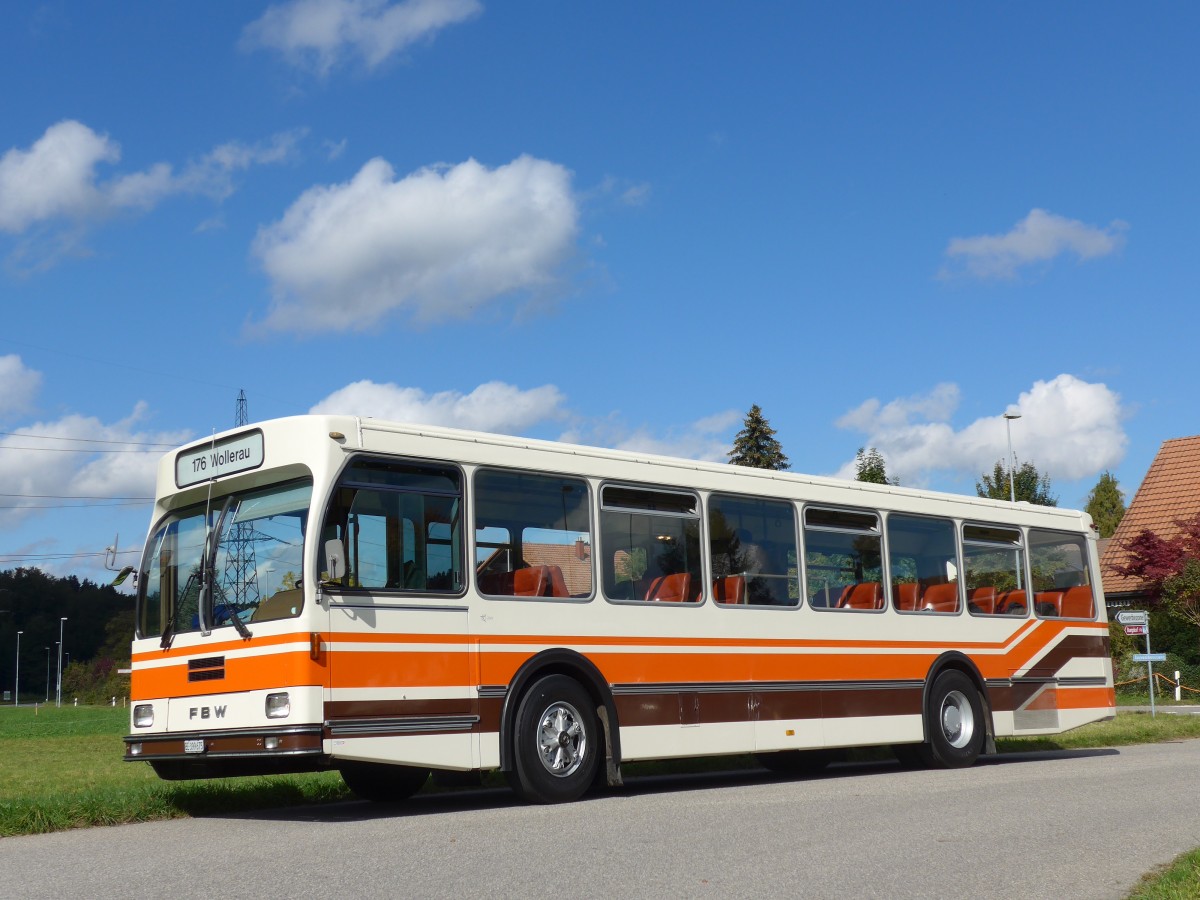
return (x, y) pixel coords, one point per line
(17, 685)
(1012, 460)
(58, 692)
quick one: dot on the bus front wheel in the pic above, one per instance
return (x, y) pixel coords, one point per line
(954, 722)
(556, 747)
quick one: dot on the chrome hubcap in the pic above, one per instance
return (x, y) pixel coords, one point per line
(958, 720)
(562, 741)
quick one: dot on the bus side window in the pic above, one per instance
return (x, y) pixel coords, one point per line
(923, 561)
(532, 535)
(752, 544)
(650, 541)
(994, 569)
(1061, 584)
(399, 524)
(843, 559)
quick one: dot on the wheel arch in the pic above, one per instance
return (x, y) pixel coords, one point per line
(954, 659)
(561, 661)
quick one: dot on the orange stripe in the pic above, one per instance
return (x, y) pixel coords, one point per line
(291, 668)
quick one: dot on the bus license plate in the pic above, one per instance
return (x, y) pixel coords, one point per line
(193, 746)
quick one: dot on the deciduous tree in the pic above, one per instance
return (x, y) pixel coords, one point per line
(1169, 568)
(869, 466)
(1030, 485)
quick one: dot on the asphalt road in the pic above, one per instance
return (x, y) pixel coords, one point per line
(1059, 825)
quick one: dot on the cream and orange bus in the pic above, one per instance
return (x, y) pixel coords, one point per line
(326, 592)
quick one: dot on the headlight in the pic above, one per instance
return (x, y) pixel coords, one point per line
(135, 749)
(143, 715)
(278, 706)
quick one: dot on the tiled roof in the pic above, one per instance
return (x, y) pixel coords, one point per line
(575, 560)
(1170, 491)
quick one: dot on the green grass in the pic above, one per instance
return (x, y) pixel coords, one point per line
(62, 768)
(1178, 881)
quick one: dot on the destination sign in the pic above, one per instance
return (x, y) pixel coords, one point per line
(227, 456)
(1149, 657)
(1136, 629)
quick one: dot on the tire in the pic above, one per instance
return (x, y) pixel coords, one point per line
(796, 762)
(954, 723)
(556, 742)
(382, 783)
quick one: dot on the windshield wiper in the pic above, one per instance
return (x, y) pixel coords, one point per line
(168, 634)
(210, 575)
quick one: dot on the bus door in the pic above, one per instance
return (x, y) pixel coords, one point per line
(400, 685)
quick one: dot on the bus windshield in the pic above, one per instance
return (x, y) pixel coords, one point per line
(256, 568)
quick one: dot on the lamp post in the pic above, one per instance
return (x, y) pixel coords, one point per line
(1012, 460)
(47, 649)
(58, 691)
(17, 684)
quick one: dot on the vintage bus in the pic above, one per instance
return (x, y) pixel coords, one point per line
(325, 592)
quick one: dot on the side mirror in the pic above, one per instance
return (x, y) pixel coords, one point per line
(335, 561)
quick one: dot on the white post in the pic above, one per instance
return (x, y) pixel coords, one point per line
(1178, 688)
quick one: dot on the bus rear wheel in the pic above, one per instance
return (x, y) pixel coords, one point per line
(382, 783)
(556, 746)
(954, 723)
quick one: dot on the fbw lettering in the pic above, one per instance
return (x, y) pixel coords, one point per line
(206, 712)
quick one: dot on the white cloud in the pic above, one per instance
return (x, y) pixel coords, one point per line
(441, 241)
(319, 34)
(55, 177)
(55, 182)
(18, 385)
(68, 457)
(1068, 428)
(709, 438)
(496, 407)
(1039, 237)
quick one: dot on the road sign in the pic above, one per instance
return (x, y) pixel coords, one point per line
(1149, 657)
(1136, 629)
(1133, 617)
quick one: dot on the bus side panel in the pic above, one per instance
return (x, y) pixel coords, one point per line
(400, 689)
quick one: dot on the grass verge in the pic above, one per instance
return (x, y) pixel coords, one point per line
(1178, 881)
(62, 768)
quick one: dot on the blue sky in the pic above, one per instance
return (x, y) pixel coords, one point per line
(620, 224)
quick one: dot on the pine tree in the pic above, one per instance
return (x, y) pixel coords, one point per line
(1106, 505)
(755, 444)
(1031, 486)
(869, 466)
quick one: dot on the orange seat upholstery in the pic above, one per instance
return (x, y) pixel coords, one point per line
(940, 597)
(674, 588)
(1048, 603)
(530, 582)
(982, 600)
(1012, 603)
(906, 595)
(730, 589)
(864, 595)
(1077, 603)
(556, 583)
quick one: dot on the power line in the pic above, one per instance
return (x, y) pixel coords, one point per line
(72, 497)
(67, 449)
(51, 437)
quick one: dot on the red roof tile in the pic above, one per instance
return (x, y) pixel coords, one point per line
(1170, 491)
